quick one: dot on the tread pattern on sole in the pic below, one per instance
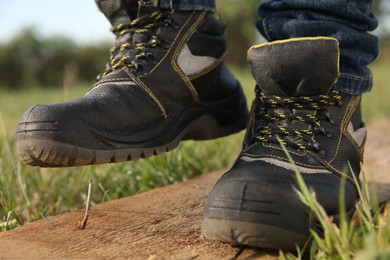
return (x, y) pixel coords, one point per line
(49, 153)
(252, 234)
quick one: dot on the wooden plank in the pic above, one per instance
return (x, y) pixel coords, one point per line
(377, 160)
(159, 224)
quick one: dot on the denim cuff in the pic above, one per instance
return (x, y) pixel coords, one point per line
(204, 5)
(355, 77)
(353, 85)
(358, 48)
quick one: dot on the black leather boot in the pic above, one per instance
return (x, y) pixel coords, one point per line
(255, 202)
(165, 83)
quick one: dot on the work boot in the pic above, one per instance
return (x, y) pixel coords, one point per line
(256, 203)
(165, 83)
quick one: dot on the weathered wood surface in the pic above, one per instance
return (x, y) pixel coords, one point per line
(377, 158)
(160, 224)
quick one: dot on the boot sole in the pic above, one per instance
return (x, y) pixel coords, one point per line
(48, 153)
(252, 234)
(237, 232)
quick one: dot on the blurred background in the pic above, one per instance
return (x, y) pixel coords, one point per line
(49, 43)
(51, 51)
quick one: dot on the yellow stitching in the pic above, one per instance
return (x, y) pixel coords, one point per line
(104, 80)
(111, 80)
(270, 145)
(320, 38)
(251, 120)
(355, 78)
(170, 48)
(342, 126)
(207, 70)
(156, 15)
(176, 53)
(151, 94)
(139, 78)
(332, 168)
(350, 113)
(338, 62)
(347, 134)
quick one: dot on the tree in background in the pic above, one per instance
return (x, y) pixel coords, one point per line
(381, 8)
(29, 60)
(240, 18)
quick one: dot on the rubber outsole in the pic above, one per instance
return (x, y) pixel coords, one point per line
(252, 234)
(49, 153)
(261, 235)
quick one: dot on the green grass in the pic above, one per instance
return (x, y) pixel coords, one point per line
(367, 236)
(376, 103)
(30, 193)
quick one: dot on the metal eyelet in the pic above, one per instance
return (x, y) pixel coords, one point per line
(150, 58)
(137, 65)
(172, 23)
(317, 146)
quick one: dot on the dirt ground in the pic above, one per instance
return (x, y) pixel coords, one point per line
(160, 224)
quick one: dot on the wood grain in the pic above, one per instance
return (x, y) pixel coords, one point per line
(160, 224)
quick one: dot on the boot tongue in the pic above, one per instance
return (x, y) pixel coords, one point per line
(144, 8)
(147, 7)
(114, 10)
(296, 67)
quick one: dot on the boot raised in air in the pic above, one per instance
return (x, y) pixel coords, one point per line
(165, 83)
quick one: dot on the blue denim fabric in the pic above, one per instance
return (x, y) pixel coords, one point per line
(208, 5)
(346, 20)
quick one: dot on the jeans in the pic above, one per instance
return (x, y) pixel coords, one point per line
(208, 5)
(346, 20)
